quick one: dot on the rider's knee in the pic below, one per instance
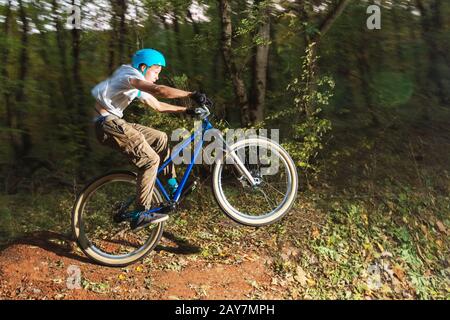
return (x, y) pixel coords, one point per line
(145, 157)
(149, 161)
(163, 139)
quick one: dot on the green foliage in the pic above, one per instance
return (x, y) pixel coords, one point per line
(247, 29)
(310, 95)
(392, 88)
(22, 214)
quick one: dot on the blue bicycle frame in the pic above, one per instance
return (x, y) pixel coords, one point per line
(206, 125)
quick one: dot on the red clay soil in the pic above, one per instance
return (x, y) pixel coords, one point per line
(37, 268)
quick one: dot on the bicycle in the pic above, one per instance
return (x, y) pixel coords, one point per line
(240, 186)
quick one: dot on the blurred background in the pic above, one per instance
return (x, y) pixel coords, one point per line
(362, 100)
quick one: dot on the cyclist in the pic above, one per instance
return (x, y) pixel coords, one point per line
(145, 147)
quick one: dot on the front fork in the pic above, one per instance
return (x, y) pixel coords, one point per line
(238, 163)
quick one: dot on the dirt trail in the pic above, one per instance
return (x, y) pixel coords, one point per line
(36, 267)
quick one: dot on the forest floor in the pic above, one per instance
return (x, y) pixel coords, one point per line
(373, 224)
(37, 268)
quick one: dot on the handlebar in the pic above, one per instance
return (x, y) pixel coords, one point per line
(205, 114)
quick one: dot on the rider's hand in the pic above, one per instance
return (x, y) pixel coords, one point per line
(194, 111)
(200, 98)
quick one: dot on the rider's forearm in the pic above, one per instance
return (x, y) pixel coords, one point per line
(165, 107)
(172, 93)
(159, 91)
(159, 106)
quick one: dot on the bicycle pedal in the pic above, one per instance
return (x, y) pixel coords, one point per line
(167, 207)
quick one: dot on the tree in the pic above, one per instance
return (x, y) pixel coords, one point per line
(240, 90)
(260, 61)
(24, 146)
(431, 23)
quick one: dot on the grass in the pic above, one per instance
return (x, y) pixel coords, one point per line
(23, 213)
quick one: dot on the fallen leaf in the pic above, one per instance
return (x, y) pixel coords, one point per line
(274, 281)
(311, 282)
(441, 227)
(365, 219)
(290, 278)
(397, 285)
(300, 276)
(294, 293)
(424, 229)
(399, 273)
(315, 233)
(285, 257)
(386, 289)
(254, 284)
(380, 247)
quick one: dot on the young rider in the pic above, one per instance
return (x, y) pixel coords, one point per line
(145, 147)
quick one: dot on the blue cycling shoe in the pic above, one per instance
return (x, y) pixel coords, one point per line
(143, 219)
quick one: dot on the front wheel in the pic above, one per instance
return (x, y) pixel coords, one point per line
(103, 239)
(276, 179)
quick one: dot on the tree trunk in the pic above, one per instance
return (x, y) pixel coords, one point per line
(25, 139)
(227, 51)
(112, 45)
(122, 9)
(179, 45)
(15, 103)
(10, 122)
(430, 24)
(397, 27)
(170, 45)
(195, 27)
(76, 68)
(45, 51)
(195, 62)
(260, 62)
(363, 65)
(43, 34)
(80, 116)
(65, 82)
(118, 33)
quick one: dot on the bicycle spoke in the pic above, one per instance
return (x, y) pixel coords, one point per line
(267, 198)
(268, 184)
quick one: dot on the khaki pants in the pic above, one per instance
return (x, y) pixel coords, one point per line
(143, 146)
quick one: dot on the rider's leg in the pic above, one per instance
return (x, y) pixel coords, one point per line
(121, 136)
(159, 142)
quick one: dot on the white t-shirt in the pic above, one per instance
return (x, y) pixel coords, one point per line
(116, 92)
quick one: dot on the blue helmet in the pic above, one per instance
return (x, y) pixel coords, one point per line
(148, 57)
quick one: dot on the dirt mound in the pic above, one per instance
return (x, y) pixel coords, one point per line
(41, 266)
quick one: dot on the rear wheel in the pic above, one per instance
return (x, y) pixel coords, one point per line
(98, 235)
